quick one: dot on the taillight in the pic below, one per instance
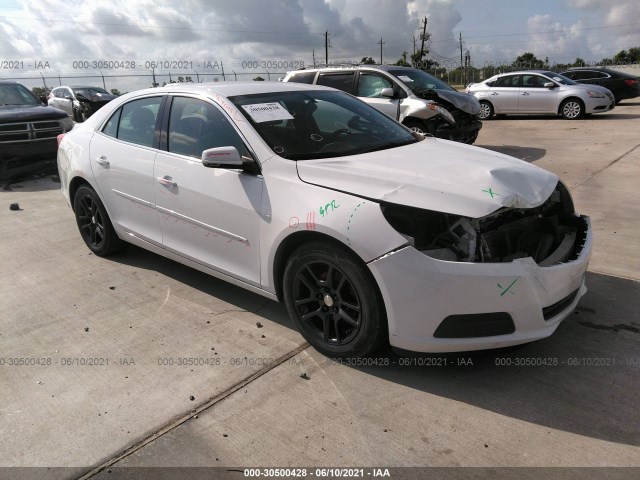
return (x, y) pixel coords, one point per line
(631, 82)
(60, 137)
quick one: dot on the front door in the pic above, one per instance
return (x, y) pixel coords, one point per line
(209, 215)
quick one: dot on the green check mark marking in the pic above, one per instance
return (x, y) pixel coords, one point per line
(505, 290)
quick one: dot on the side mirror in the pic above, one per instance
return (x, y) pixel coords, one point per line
(387, 92)
(549, 85)
(222, 157)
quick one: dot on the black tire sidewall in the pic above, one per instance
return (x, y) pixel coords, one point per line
(373, 329)
(111, 242)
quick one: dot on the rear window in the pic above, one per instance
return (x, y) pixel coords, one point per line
(302, 77)
(341, 81)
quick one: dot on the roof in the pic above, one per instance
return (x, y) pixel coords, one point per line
(229, 89)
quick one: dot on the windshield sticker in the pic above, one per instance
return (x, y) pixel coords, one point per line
(267, 112)
(404, 78)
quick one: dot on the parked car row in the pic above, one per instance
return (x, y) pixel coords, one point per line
(369, 232)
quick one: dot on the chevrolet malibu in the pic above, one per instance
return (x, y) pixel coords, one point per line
(368, 232)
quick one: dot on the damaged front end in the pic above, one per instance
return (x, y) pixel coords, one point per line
(550, 234)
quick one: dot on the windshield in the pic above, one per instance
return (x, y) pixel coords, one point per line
(560, 78)
(419, 81)
(15, 94)
(320, 124)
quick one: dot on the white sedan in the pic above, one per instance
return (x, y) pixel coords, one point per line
(368, 232)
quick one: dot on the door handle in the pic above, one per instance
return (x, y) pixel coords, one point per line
(524, 93)
(167, 182)
(494, 93)
(102, 161)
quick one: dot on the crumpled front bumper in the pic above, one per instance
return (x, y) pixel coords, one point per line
(420, 292)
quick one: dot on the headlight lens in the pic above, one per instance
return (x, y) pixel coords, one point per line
(66, 124)
(593, 94)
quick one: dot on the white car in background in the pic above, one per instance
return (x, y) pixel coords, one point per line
(539, 92)
(367, 231)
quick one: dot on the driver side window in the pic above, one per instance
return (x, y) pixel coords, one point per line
(371, 85)
(195, 126)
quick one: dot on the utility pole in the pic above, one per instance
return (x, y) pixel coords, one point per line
(381, 43)
(313, 54)
(326, 47)
(424, 35)
(414, 45)
(461, 64)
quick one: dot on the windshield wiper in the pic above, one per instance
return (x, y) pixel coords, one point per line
(386, 146)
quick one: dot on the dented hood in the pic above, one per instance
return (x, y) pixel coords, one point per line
(436, 175)
(463, 101)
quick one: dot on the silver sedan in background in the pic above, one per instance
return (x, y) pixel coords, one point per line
(539, 92)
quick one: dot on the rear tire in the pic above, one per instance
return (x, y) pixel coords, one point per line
(94, 224)
(334, 301)
(486, 110)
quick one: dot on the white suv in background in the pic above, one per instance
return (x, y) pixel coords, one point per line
(413, 97)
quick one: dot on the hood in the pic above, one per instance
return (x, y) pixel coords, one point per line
(95, 97)
(462, 101)
(595, 88)
(435, 175)
(24, 113)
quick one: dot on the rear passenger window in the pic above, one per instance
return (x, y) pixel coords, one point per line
(137, 122)
(341, 81)
(508, 81)
(111, 128)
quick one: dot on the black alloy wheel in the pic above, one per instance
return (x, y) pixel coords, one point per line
(334, 301)
(94, 224)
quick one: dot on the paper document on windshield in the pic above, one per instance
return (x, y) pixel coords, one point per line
(267, 112)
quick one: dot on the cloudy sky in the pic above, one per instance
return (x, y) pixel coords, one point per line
(66, 37)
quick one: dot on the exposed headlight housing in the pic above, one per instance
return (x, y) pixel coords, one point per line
(444, 112)
(550, 234)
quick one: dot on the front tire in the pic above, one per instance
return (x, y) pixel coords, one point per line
(334, 301)
(417, 126)
(94, 224)
(572, 109)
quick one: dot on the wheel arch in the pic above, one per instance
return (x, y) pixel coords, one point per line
(571, 97)
(293, 241)
(76, 183)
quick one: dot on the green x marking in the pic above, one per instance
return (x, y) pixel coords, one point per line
(491, 192)
(505, 290)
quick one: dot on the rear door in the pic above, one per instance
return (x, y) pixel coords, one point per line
(504, 94)
(122, 159)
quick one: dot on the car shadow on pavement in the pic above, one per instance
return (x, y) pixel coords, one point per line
(32, 183)
(225, 291)
(584, 379)
(528, 154)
